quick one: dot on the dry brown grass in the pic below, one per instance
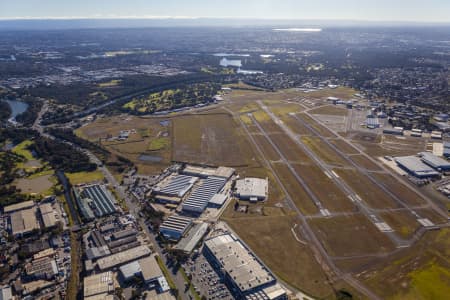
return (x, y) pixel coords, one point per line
(399, 189)
(293, 262)
(301, 199)
(324, 188)
(370, 193)
(350, 235)
(330, 110)
(365, 163)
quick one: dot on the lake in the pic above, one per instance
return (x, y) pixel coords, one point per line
(17, 107)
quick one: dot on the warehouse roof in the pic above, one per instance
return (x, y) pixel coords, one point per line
(199, 199)
(131, 269)
(252, 187)
(414, 165)
(123, 257)
(188, 243)
(150, 268)
(24, 221)
(240, 264)
(176, 223)
(18, 206)
(218, 199)
(103, 203)
(434, 161)
(98, 284)
(48, 215)
(178, 185)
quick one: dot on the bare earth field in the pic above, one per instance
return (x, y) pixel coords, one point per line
(36, 185)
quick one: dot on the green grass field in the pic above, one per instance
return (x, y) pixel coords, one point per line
(84, 177)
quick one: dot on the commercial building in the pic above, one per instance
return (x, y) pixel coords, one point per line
(95, 200)
(123, 257)
(188, 243)
(252, 189)
(198, 200)
(175, 227)
(148, 269)
(98, 285)
(414, 166)
(18, 206)
(237, 265)
(435, 162)
(24, 221)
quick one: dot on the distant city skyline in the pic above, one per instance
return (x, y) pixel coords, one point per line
(431, 11)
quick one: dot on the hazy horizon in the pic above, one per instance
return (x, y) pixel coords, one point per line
(402, 11)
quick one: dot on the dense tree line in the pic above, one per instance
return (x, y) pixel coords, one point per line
(62, 156)
(68, 135)
(5, 111)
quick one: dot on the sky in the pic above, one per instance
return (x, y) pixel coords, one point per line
(358, 10)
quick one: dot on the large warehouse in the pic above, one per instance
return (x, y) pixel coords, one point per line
(95, 199)
(241, 270)
(175, 227)
(435, 162)
(414, 166)
(177, 186)
(198, 200)
(252, 189)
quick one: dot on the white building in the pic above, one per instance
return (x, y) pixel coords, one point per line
(252, 189)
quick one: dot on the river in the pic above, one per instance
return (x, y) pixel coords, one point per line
(17, 107)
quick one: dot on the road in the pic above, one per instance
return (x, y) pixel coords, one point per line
(133, 206)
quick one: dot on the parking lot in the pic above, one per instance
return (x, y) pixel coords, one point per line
(205, 280)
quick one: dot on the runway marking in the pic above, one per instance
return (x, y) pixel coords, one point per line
(383, 227)
(425, 222)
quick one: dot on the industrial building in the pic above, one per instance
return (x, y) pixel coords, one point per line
(175, 227)
(414, 166)
(217, 200)
(372, 122)
(18, 206)
(393, 131)
(238, 266)
(188, 243)
(435, 162)
(48, 214)
(446, 149)
(95, 201)
(42, 268)
(24, 221)
(148, 269)
(198, 200)
(204, 172)
(98, 286)
(252, 189)
(177, 186)
(123, 257)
